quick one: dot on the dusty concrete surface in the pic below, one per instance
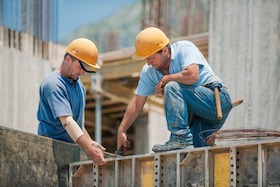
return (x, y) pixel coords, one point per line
(27, 159)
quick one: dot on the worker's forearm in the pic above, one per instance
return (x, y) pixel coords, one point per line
(128, 119)
(188, 76)
(72, 128)
(182, 77)
(86, 132)
(84, 141)
(132, 112)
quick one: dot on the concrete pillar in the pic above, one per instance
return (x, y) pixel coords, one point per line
(20, 77)
(141, 134)
(150, 130)
(244, 50)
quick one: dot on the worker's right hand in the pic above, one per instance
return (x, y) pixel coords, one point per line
(122, 141)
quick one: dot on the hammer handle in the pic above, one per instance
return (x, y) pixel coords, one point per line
(218, 103)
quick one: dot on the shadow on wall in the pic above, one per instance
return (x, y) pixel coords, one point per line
(64, 154)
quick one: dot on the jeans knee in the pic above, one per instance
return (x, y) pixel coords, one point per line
(171, 86)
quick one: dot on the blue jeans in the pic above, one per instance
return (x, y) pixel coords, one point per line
(180, 99)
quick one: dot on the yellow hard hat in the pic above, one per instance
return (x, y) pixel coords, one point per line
(148, 42)
(86, 52)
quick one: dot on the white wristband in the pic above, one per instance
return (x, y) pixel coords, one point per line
(71, 126)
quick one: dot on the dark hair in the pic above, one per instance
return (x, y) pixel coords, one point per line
(73, 58)
(168, 46)
(66, 55)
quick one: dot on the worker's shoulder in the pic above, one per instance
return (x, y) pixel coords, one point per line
(53, 82)
(184, 46)
(51, 78)
(183, 42)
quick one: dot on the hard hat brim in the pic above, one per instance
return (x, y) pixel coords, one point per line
(136, 57)
(89, 67)
(96, 66)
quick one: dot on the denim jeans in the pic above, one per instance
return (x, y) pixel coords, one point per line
(179, 99)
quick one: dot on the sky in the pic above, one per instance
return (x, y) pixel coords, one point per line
(75, 13)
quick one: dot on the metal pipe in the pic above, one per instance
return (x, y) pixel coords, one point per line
(98, 131)
(96, 86)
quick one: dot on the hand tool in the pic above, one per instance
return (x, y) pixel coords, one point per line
(218, 103)
(112, 155)
(216, 88)
(237, 102)
(120, 151)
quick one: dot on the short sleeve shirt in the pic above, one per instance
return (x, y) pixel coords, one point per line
(59, 96)
(183, 54)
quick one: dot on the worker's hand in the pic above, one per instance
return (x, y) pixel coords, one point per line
(93, 149)
(160, 88)
(123, 141)
(96, 155)
(97, 145)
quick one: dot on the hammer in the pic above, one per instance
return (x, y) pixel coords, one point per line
(218, 103)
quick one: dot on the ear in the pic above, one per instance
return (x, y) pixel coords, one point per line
(68, 58)
(165, 50)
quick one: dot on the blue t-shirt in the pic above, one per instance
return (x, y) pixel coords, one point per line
(183, 54)
(59, 96)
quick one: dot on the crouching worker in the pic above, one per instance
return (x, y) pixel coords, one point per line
(62, 99)
(180, 73)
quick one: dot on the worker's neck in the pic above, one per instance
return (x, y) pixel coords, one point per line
(165, 68)
(62, 71)
(59, 70)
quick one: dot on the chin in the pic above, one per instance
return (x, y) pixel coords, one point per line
(157, 68)
(75, 78)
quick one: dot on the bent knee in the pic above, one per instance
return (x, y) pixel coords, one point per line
(172, 85)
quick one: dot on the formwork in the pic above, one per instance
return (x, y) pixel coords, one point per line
(249, 164)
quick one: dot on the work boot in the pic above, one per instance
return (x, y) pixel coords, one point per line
(172, 145)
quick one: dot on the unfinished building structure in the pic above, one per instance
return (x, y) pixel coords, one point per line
(242, 46)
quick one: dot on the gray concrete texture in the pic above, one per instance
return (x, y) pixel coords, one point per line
(244, 50)
(20, 78)
(31, 160)
(21, 73)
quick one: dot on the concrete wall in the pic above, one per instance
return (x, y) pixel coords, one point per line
(244, 50)
(20, 78)
(31, 160)
(24, 60)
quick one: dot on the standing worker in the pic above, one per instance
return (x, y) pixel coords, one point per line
(180, 73)
(62, 99)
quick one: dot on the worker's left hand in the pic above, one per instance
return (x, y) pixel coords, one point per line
(160, 88)
(97, 145)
